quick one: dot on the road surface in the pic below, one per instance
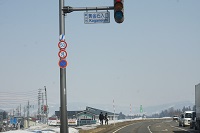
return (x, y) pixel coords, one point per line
(154, 126)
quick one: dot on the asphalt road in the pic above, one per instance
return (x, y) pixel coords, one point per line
(154, 126)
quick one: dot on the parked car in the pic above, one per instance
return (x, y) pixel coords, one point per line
(175, 117)
(185, 118)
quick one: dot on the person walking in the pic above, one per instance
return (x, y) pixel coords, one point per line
(101, 117)
(106, 119)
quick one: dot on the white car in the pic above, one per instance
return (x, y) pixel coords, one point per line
(175, 117)
(185, 118)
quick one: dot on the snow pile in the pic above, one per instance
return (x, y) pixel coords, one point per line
(49, 129)
(17, 131)
(71, 130)
(44, 130)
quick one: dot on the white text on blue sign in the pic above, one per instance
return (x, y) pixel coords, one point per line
(96, 17)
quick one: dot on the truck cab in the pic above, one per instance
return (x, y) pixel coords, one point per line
(185, 118)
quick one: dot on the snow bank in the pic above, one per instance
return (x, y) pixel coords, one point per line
(50, 129)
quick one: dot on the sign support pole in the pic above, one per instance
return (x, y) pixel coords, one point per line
(63, 89)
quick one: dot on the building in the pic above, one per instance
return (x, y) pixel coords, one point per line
(96, 112)
(88, 116)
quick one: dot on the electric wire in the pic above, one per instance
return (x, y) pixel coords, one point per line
(13, 100)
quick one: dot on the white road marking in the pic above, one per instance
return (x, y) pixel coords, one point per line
(165, 130)
(181, 129)
(149, 128)
(123, 127)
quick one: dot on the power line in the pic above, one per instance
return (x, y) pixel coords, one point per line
(13, 99)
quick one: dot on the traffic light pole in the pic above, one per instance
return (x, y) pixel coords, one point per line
(63, 103)
(63, 89)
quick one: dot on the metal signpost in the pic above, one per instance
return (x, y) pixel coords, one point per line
(89, 18)
(63, 64)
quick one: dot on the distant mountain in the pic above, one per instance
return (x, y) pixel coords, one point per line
(124, 109)
(159, 108)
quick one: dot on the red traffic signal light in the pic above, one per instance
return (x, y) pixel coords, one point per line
(119, 11)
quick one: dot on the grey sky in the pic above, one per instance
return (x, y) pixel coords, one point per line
(151, 58)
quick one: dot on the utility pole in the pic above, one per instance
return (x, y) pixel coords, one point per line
(46, 111)
(28, 114)
(7, 122)
(20, 110)
(24, 111)
(13, 112)
(63, 103)
(42, 109)
(114, 111)
(39, 106)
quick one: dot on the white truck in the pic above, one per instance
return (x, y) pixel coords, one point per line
(197, 104)
(185, 118)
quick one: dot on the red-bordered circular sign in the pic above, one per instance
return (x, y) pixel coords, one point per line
(63, 63)
(62, 44)
(62, 54)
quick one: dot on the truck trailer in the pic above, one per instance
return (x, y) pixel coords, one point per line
(197, 104)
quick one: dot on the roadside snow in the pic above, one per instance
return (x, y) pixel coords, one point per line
(50, 129)
(87, 127)
(17, 131)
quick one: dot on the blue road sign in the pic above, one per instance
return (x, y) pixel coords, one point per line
(62, 63)
(96, 17)
(62, 37)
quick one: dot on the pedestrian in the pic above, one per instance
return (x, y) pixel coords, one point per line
(101, 117)
(106, 119)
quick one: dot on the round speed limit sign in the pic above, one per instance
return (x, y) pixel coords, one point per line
(62, 44)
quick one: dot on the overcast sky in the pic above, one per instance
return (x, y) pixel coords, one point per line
(152, 58)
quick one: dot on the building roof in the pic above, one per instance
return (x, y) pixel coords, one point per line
(98, 111)
(69, 113)
(89, 110)
(85, 112)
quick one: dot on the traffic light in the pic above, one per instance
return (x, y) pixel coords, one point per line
(119, 11)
